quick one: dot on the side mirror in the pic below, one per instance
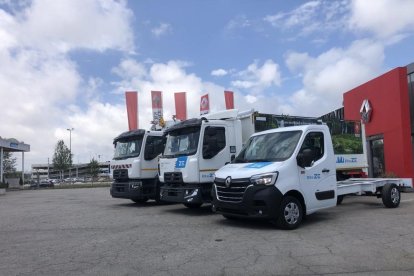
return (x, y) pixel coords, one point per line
(305, 158)
(150, 152)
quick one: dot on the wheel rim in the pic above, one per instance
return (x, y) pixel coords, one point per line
(291, 213)
(395, 195)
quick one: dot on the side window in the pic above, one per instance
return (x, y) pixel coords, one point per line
(214, 141)
(154, 146)
(314, 142)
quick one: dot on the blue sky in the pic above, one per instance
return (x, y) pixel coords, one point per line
(67, 63)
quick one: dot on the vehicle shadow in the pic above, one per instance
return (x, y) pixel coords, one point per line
(150, 203)
(252, 224)
(261, 224)
(204, 210)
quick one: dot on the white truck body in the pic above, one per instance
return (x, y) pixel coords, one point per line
(196, 149)
(286, 173)
(135, 165)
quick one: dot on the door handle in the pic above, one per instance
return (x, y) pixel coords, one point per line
(325, 170)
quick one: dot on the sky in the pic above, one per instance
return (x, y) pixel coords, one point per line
(67, 63)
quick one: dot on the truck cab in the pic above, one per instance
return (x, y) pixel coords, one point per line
(134, 166)
(280, 175)
(195, 150)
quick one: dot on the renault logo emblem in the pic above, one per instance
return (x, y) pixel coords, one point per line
(366, 111)
(228, 181)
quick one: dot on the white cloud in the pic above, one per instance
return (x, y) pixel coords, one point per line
(250, 99)
(162, 29)
(316, 16)
(219, 72)
(239, 22)
(69, 24)
(259, 78)
(327, 76)
(41, 90)
(296, 60)
(129, 68)
(94, 130)
(384, 18)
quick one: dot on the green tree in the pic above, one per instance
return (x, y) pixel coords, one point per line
(93, 169)
(62, 158)
(9, 163)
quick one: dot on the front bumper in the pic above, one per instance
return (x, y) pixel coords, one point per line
(134, 189)
(186, 193)
(257, 202)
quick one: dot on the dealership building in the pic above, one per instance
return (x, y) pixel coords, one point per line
(386, 106)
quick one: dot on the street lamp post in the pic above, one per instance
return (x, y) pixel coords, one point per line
(70, 151)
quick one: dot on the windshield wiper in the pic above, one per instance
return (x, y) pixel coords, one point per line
(239, 160)
(259, 160)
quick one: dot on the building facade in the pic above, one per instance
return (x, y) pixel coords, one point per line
(386, 106)
(80, 171)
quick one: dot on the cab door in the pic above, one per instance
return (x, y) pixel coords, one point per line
(318, 176)
(153, 147)
(214, 152)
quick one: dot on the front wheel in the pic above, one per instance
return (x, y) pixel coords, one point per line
(193, 205)
(339, 199)
(157, 191)
(391, 196)
(290, 213)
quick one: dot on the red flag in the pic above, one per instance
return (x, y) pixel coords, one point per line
(229, 98)
(204, 105)
(132, 109)
(156, 98)
(180, 106)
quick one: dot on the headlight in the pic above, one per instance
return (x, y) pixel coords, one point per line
(136, 185)
(264, 179)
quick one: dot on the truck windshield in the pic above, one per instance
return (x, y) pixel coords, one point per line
(182, 142)
(128, 148)
(270, 147)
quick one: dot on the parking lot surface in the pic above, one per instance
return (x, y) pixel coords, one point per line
(86, 232)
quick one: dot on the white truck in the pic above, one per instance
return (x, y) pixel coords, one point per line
(195, 149)
(134, 166)
(286, 173)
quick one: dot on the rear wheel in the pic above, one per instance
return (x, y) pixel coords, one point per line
(140, 200)
(193, 205)
(290, 213)
(391, 196)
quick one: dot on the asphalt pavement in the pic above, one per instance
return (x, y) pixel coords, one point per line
(86, 232)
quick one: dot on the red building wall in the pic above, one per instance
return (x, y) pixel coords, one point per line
(389, 100)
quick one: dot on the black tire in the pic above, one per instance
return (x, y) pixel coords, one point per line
(140, 200)
(193, 205)
(391, 196)
(339, 199)
(157, 191)
(290, 213)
